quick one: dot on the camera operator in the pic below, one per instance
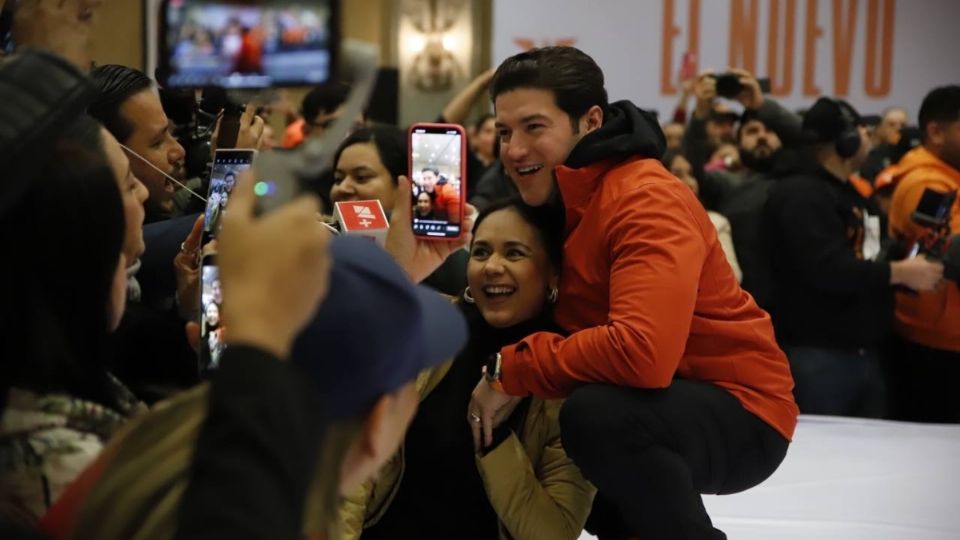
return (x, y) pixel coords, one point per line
(927, 362)
(834, 296)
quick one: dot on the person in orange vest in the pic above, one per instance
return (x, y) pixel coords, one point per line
(927, 363)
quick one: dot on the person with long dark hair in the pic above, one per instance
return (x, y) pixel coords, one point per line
(60, 306)
(523, 486)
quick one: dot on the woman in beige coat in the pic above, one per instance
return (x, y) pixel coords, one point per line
(523, 486)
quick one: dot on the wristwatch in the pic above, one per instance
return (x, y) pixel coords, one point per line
(492, 371)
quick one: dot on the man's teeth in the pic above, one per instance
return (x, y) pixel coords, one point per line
(498, 290)
(529, 170)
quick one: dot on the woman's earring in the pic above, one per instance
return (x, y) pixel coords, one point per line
(552, 297)
(467, 297)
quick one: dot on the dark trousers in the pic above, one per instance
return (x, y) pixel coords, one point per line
(923, 383)
(651, 453)
(839, 382)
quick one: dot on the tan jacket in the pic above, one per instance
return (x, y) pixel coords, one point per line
(533, 486)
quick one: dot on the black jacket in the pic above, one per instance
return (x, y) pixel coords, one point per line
(256, 452)
(827, 294)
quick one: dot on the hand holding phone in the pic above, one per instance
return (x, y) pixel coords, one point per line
(419, 256)
(438, 171)
(274, 269)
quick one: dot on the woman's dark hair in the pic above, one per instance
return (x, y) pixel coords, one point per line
(67, 235)
(573, 76)
(478, 125)
(391, 144)
(115, 85)
(547, 220)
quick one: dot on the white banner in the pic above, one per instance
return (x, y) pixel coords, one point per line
(873, 53)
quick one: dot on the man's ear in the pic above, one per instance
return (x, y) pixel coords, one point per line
(591, 120)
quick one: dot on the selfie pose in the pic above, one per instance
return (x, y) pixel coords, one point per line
(674, 382)
(523, 486)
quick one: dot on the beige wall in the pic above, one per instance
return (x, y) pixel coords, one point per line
(119, 34)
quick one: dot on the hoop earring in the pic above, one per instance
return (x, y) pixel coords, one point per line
(553, 296)
(467, 297)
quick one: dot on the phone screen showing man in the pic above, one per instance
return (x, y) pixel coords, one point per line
(436, 170)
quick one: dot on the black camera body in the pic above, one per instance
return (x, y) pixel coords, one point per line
(729, 85)
(933, 212)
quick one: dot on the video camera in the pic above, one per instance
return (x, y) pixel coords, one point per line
(729, 85)
(934, 212)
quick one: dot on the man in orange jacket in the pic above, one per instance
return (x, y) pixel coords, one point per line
(675, 385)
(927, 364)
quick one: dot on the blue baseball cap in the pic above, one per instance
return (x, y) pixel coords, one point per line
(375, 331)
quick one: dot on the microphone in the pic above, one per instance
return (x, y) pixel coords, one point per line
(365, 219)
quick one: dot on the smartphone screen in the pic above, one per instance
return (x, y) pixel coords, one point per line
(437, 161)
(244, 44)
(211, 327)
(227, 166)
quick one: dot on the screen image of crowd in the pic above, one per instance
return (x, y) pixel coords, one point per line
(436, 179)
(211, 43)
(645, 313)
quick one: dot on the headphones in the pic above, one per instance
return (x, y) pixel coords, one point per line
(848, 142)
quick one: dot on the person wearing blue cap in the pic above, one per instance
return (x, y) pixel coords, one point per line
(523, 486)
(283, 441)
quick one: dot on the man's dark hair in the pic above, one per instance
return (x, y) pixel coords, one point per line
(941, 105)
(434, 170)
(325, 98)
(574, 78)
(115, 85)
(478, 125)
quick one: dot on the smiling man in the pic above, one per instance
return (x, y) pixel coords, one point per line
(128, 105)
(675, 385)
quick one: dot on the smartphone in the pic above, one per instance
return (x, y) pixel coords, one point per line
(729, 86)
(6, 28)
(933, 209)
(229, 128)
(240, 44)
(688, 69)
(438, 172)
(227, 166)
(212, 330)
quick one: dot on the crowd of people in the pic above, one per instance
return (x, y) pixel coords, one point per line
(636, 314)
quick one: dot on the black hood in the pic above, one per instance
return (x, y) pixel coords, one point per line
(627, 131)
